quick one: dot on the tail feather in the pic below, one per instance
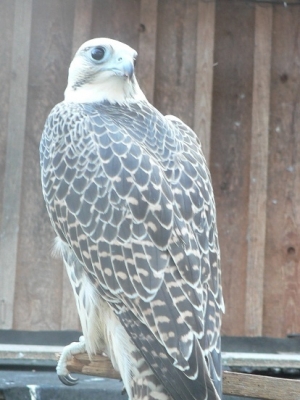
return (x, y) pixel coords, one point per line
(176, 382)
(144, 383)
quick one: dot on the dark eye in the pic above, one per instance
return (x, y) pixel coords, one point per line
(97, 53)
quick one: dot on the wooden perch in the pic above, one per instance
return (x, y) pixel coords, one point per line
(99, 366)
(237, 384)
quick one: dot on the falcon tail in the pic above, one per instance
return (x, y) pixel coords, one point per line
(175, 382)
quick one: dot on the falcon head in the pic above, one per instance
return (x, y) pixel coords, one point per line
(103, 70)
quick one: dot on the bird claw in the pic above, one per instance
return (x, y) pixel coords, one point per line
(68, 352)
(68, 380)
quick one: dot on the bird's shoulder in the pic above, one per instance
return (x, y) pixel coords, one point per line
(139, 120)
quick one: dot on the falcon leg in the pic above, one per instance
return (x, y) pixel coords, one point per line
(67, 354)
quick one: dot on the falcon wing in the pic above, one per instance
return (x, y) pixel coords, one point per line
(129, 191)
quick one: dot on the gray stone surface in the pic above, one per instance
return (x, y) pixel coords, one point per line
(44, 385)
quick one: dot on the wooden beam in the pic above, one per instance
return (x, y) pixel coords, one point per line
(14, 159)
(230, 150)
(204, 74)
(82, 23)
(147, 47)
(258, 172)
(260, 387)
(282, 266)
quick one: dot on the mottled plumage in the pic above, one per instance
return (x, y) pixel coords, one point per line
(130, 198)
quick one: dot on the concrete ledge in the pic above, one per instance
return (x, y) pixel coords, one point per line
(41, 385)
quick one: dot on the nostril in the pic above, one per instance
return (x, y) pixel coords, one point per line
(120, 59)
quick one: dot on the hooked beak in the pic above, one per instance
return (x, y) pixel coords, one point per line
(125, 68)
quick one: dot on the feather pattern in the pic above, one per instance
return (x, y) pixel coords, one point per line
(130, 197)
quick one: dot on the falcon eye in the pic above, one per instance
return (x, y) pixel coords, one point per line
(97, 53)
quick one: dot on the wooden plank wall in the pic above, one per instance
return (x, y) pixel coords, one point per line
(17, 103)
(230, 145)
(228, 69)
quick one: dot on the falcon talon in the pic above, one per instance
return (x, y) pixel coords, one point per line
(67, 354)
(68, 380)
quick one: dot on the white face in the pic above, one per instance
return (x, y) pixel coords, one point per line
(102, 69)
(104, 57)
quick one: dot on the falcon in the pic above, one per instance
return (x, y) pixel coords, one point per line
(130, 198)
